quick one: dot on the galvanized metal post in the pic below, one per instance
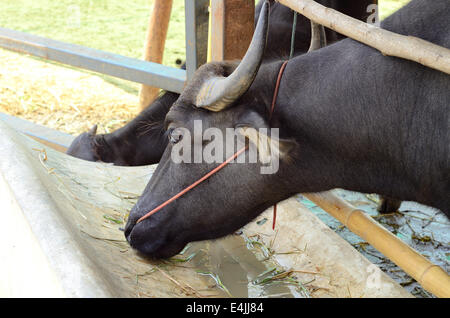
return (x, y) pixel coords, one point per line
(197, 17)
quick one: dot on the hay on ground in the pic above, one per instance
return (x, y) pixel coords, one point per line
(61, 98)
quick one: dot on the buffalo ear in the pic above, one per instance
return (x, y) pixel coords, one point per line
(93, 130)
(266, 139)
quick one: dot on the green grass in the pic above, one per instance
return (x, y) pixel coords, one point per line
(387, 7)
(116, 26)
(112, 25)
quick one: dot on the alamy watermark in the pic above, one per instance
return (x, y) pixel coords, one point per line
(213, 145)
(73, 16)
(374, 17)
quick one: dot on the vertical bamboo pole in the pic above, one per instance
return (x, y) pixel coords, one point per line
(154, 44)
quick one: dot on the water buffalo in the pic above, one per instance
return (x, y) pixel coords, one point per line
(142, 141)
(348, 117)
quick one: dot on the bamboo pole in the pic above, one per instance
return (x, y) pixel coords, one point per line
(430, 276)
(388, 43)
(154, 45)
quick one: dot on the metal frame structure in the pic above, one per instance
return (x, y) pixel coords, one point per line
(153, 74)
(197, 21)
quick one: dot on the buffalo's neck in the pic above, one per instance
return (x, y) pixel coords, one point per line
(354, 123)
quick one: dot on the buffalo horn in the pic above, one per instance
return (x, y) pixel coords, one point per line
(217, 93)
(93, 130)
(318, 37)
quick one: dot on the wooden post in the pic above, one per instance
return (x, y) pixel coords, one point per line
(154, 44)
(232, 26)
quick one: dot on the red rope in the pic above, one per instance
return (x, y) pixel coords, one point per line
(272, 107)
(196, 183)
(277, 87)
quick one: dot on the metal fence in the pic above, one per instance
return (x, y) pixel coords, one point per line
(152, 74)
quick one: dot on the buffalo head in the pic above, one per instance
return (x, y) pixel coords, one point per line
(217, 110)
(84, 146)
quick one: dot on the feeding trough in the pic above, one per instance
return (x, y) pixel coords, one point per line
(65, 216)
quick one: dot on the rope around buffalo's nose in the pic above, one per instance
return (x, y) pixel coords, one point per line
(196, 183)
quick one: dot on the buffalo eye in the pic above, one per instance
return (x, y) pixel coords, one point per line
(174, 135)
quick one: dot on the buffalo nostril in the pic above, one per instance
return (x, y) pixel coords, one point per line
(128, 230)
